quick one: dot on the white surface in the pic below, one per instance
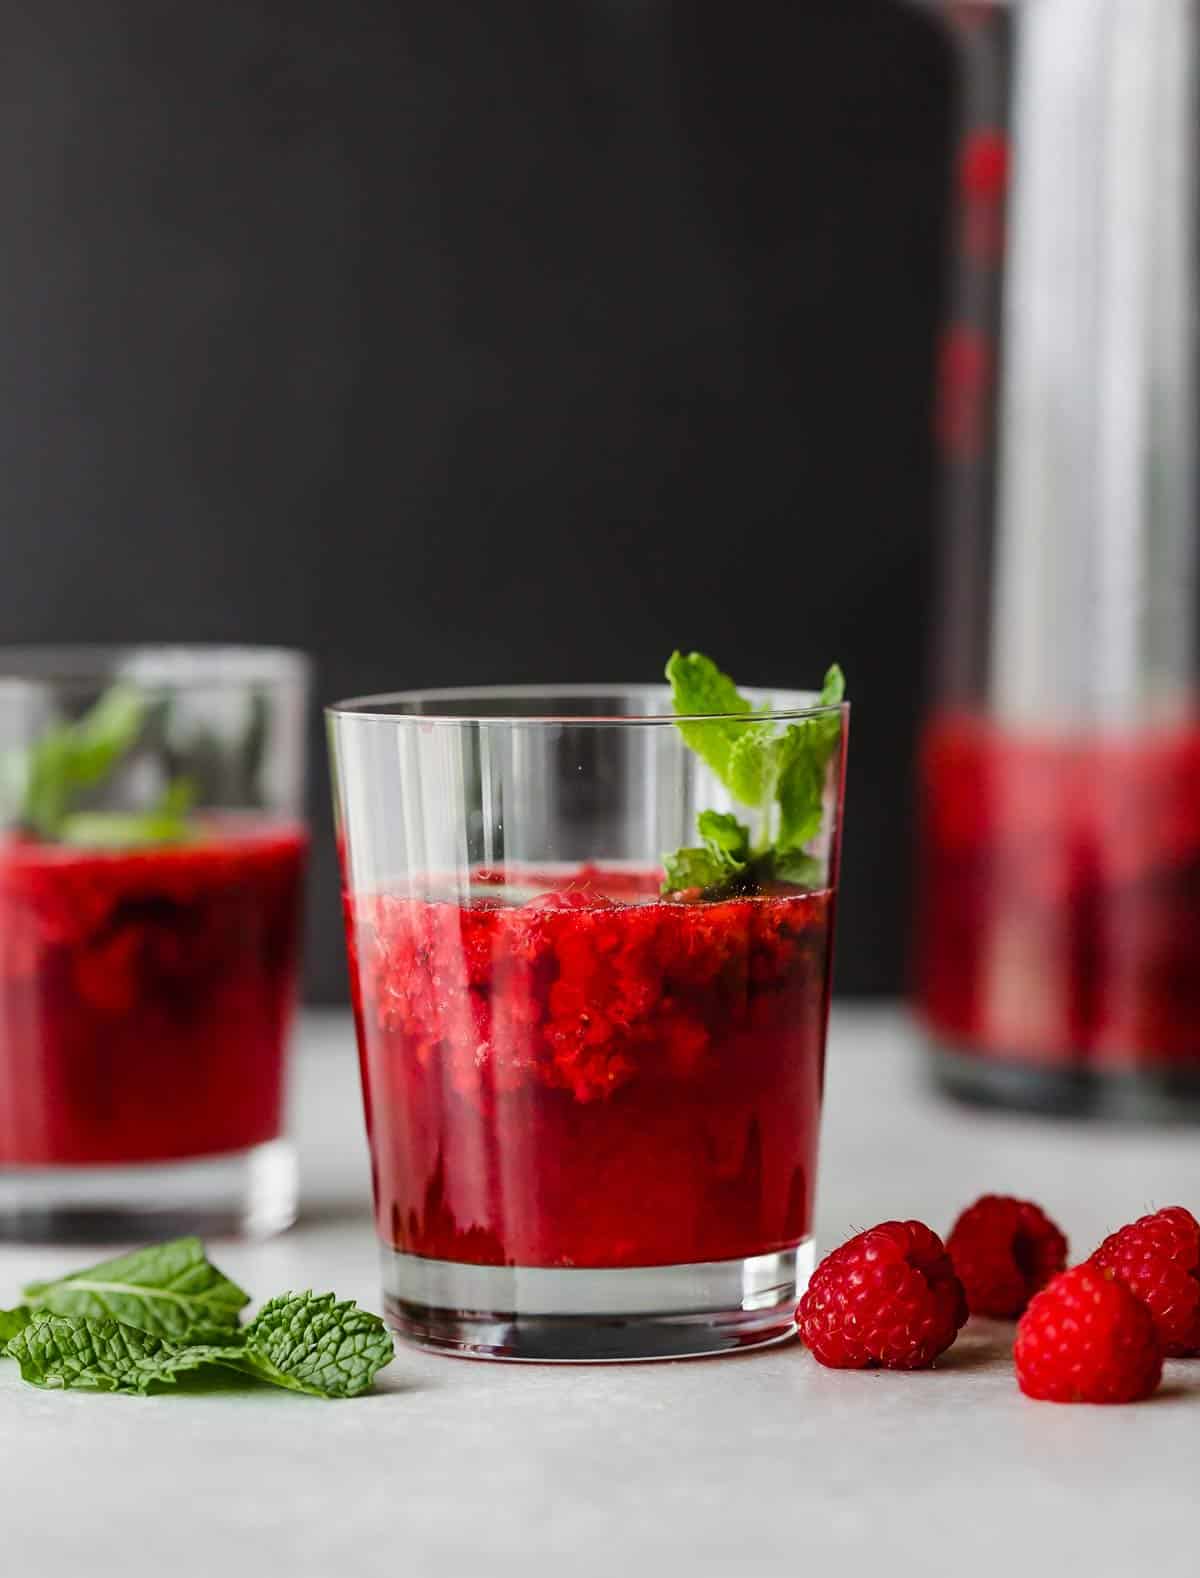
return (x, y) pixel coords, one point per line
(761, 1464)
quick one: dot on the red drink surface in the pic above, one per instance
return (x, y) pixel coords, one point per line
(591, 1077)
(1060, 912)
(145, 995)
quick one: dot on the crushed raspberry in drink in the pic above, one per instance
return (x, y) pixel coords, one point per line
(587, 1075)
(145, 995)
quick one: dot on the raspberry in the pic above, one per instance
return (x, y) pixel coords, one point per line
(1158, 1260)
(1086, 1339)
(887, 1297)
(1004, 1251)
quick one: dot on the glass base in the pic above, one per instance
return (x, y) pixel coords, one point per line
(580, 1316)
(1148, 1094)
(245, 1194)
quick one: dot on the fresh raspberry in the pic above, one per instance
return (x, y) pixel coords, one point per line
(887, 1297)
(1004, 1251)
(1086, 1339)
(1158, 1260)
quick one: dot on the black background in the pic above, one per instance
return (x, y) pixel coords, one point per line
(464, 341)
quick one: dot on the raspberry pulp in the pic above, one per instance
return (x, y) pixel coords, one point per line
(592, 1077)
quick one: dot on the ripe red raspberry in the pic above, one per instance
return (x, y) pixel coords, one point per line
(1004, 1251)
(1086, 1339)
(1158, 1260)
(887, 1297)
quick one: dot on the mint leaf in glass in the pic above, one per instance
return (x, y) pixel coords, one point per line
(42, 784)
(166, 823)
(73, 757)
(169, 1290)
(698, 686)
(723, 859)
(781, 772)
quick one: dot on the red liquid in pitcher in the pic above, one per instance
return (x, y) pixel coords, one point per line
(1060, 915)
(591, 1076)
(145, 995)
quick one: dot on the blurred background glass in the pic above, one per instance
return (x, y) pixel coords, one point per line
(1058, 934)
(152, 853)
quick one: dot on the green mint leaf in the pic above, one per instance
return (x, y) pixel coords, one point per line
(309, 1342)
(833, 691)
(699, 687)
(165, 824)
(11, 1322)
(693, 868)
(724, 835)
(801, 790)
(761, 766)
(805, 751)
(719, 866)
(72, 757)
(750, 774)
(73, 1353)
(793, 865)
(169, 1290)
(67, 1352)
(177, 799)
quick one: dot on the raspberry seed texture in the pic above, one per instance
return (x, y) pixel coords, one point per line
(887, 1298)
(1158, 1259)
(1086, 1339)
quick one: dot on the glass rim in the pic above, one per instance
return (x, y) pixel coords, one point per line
(185, 665)
(387, 706)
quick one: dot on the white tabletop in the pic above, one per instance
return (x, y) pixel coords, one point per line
(760, 1464)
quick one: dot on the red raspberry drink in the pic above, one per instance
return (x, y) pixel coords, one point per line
(145, 996)
(1058, 944)
(592, 1077)
(151, 865)
(590, 942)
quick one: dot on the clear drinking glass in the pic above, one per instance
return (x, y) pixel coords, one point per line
(1058, 955)
(592, 1110)
(151, 864)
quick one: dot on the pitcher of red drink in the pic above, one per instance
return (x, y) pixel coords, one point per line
(1058, 932)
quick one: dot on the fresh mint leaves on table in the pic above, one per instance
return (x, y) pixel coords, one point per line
(70, 759)
(169, 1290)
(779, 773)
(137, 1323)
(11, 1322)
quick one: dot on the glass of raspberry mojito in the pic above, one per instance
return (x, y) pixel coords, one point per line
(592, 1071)
(151, 862)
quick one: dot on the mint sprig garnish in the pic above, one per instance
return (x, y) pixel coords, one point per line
(46, 781)
(138, 1323)
(780, 773)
